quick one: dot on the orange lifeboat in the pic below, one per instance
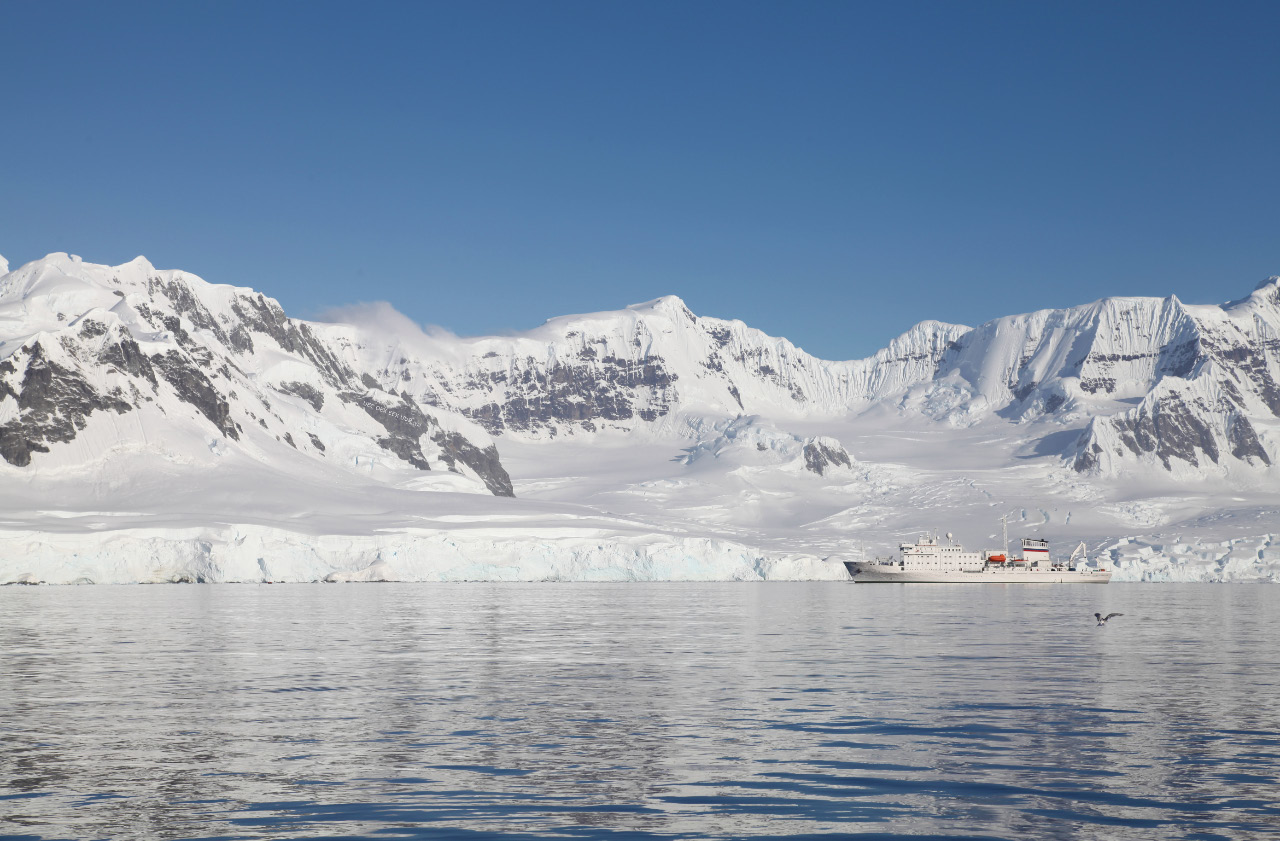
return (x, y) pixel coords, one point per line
(995, 559)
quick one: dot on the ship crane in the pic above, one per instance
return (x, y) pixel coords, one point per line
(1080, 550)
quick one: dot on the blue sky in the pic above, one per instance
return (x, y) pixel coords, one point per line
(829, 172)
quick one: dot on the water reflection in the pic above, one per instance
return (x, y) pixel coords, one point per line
(637, 711)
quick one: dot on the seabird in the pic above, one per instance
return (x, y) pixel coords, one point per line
(1102, 620)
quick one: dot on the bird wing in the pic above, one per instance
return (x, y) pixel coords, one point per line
(1098, 616)
(1109, 615)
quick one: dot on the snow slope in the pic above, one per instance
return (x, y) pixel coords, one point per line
(156, 427)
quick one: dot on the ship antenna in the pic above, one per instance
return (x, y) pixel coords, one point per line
(1004, 526)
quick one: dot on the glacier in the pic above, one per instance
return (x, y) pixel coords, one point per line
(156, 427)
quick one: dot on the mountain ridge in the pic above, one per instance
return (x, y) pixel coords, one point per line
(131, 338)
(1068, 366)
(131, 395)
(1200, 377)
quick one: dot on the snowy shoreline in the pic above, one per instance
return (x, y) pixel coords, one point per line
(255, 554)
(258, 553)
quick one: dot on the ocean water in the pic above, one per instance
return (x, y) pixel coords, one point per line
(646, 711)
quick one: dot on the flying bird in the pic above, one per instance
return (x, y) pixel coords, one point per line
(1102, 620)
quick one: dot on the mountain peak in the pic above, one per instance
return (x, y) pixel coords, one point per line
(667, 303)
(1266, 293)
(138, 262)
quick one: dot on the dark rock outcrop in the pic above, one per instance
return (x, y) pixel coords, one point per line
(54, 403)
(165, 337)
(818, 457)
(259, 314)
(406, 423)
(309, 393)
(593, 389)
(125, 356)
(193, 387)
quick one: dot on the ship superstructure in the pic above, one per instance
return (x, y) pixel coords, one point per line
(928, 561)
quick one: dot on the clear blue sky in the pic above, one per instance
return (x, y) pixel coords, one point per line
(831, 172)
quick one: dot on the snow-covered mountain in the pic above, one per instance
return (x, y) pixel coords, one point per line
(99, 362)
(154, 426)
(647, 364)
(1148, 381)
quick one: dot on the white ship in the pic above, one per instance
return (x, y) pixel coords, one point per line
(928, 562)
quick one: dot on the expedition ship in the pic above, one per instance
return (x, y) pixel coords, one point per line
(928, 562)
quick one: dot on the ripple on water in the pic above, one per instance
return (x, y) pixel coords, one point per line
(638, 711)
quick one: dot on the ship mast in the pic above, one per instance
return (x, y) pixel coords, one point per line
(1004, 527)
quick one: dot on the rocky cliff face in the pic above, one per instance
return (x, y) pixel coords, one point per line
(1127, 381)
(622, 370)
(1152, 381)
(1144, 380)
(200, 367)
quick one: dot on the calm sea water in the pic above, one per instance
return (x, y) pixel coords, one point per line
(639, 711)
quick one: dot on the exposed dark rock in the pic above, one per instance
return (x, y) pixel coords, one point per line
(173, 324)
(6, 368)
(754, 361)
(403, 419)
(192, 386)
(128, 358)
(456, 448)
(1244, 440)
(607, 388)
(1179, 360)
(406, 449)
(309, 393)
(1233, 393)
(818, 457)
(1087, 459)
(263, 316)
(240, 339)
(1170, 430)
(1095, 384)
(1252, 361)
(1173, 360)
(91, 329)
(406, 424)
(71, 346)
(184, 302)
(1022, 392)
(147, 315)
(54, 399)
(54, 404)
(721, 335)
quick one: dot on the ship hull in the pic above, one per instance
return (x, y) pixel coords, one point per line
(884, 574)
